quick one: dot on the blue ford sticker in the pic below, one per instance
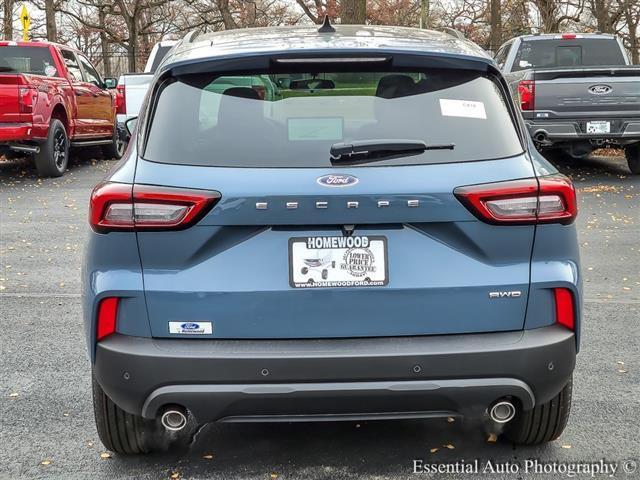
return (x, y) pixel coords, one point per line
(337, 180)
(191, 328)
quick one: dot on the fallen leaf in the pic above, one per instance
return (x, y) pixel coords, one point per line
(566, 445)
(45, 462)
(449, 446)
(208, 456)
(493, 438)
(434, 450)
(13, 394)
(105, 455)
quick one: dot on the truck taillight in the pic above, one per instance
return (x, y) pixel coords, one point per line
(550, 199)
(119, 206)
(527, 94)
(121, 100)
(27, 98)
(565, 311)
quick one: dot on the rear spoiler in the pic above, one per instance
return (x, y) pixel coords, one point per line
(347, 59)
(552, 74)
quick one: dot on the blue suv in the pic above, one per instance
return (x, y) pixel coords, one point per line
(336, 224)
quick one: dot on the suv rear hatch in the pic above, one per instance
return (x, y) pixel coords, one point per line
(273, 259)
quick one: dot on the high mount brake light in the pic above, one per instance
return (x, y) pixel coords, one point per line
(118, 206)
(527, 95)
(550, 199)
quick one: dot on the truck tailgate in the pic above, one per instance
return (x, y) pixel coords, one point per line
(588, 92)
(136, 86)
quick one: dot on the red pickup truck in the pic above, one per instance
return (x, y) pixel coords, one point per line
(52, 98)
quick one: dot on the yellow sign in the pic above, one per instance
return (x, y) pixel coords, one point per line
(25, 19)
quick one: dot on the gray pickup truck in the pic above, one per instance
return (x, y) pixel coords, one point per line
(577, 92)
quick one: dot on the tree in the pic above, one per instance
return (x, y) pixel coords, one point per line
(50, 14)
(7, 24)
(353, 12)
(495, 21)
(554, 13)
(424, 13)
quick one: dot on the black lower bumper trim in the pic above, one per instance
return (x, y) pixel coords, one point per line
(335, 378)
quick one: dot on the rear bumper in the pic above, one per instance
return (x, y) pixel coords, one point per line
(15, 132)
(622, 130)
(254, 380)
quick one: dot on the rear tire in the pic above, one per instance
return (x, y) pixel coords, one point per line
(544, 423)
(125, 433)
(117, 148)
(53, 158)
(632, 152)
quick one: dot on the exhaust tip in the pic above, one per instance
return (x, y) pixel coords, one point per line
(540, 137)
(173, 419)
(502, 411)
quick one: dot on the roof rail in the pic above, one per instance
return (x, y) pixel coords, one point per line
(453, 32)
(190, 36)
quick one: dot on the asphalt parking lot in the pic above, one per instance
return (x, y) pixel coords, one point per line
(46, 417)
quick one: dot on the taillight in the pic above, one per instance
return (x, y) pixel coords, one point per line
(550, 199)
(527, 94)
(27, 98)
(118, 206)
(568, 36)
(107, 316)
(565, 313)
(121, 100)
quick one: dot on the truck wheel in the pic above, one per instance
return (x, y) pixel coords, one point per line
(632, 152)
(117, 148)
(53, 157)
(544, 423)
(125, 433)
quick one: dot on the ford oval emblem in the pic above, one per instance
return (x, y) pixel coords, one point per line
(335, 180)
(190, 326)
(599, 89)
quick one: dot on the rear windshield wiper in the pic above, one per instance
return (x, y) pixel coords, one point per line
(364, 151)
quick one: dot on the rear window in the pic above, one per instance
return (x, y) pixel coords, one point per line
(561, 53)
(293, 119)
(32, 60)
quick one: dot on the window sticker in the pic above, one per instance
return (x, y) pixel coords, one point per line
(50, 71)
(462, 108)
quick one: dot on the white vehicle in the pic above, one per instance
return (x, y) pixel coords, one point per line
(132, 87)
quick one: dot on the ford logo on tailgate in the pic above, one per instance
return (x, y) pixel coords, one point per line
(337, 180)
(599, 89)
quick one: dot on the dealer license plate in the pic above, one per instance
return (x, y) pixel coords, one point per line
(329, 261)
(598, 127)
